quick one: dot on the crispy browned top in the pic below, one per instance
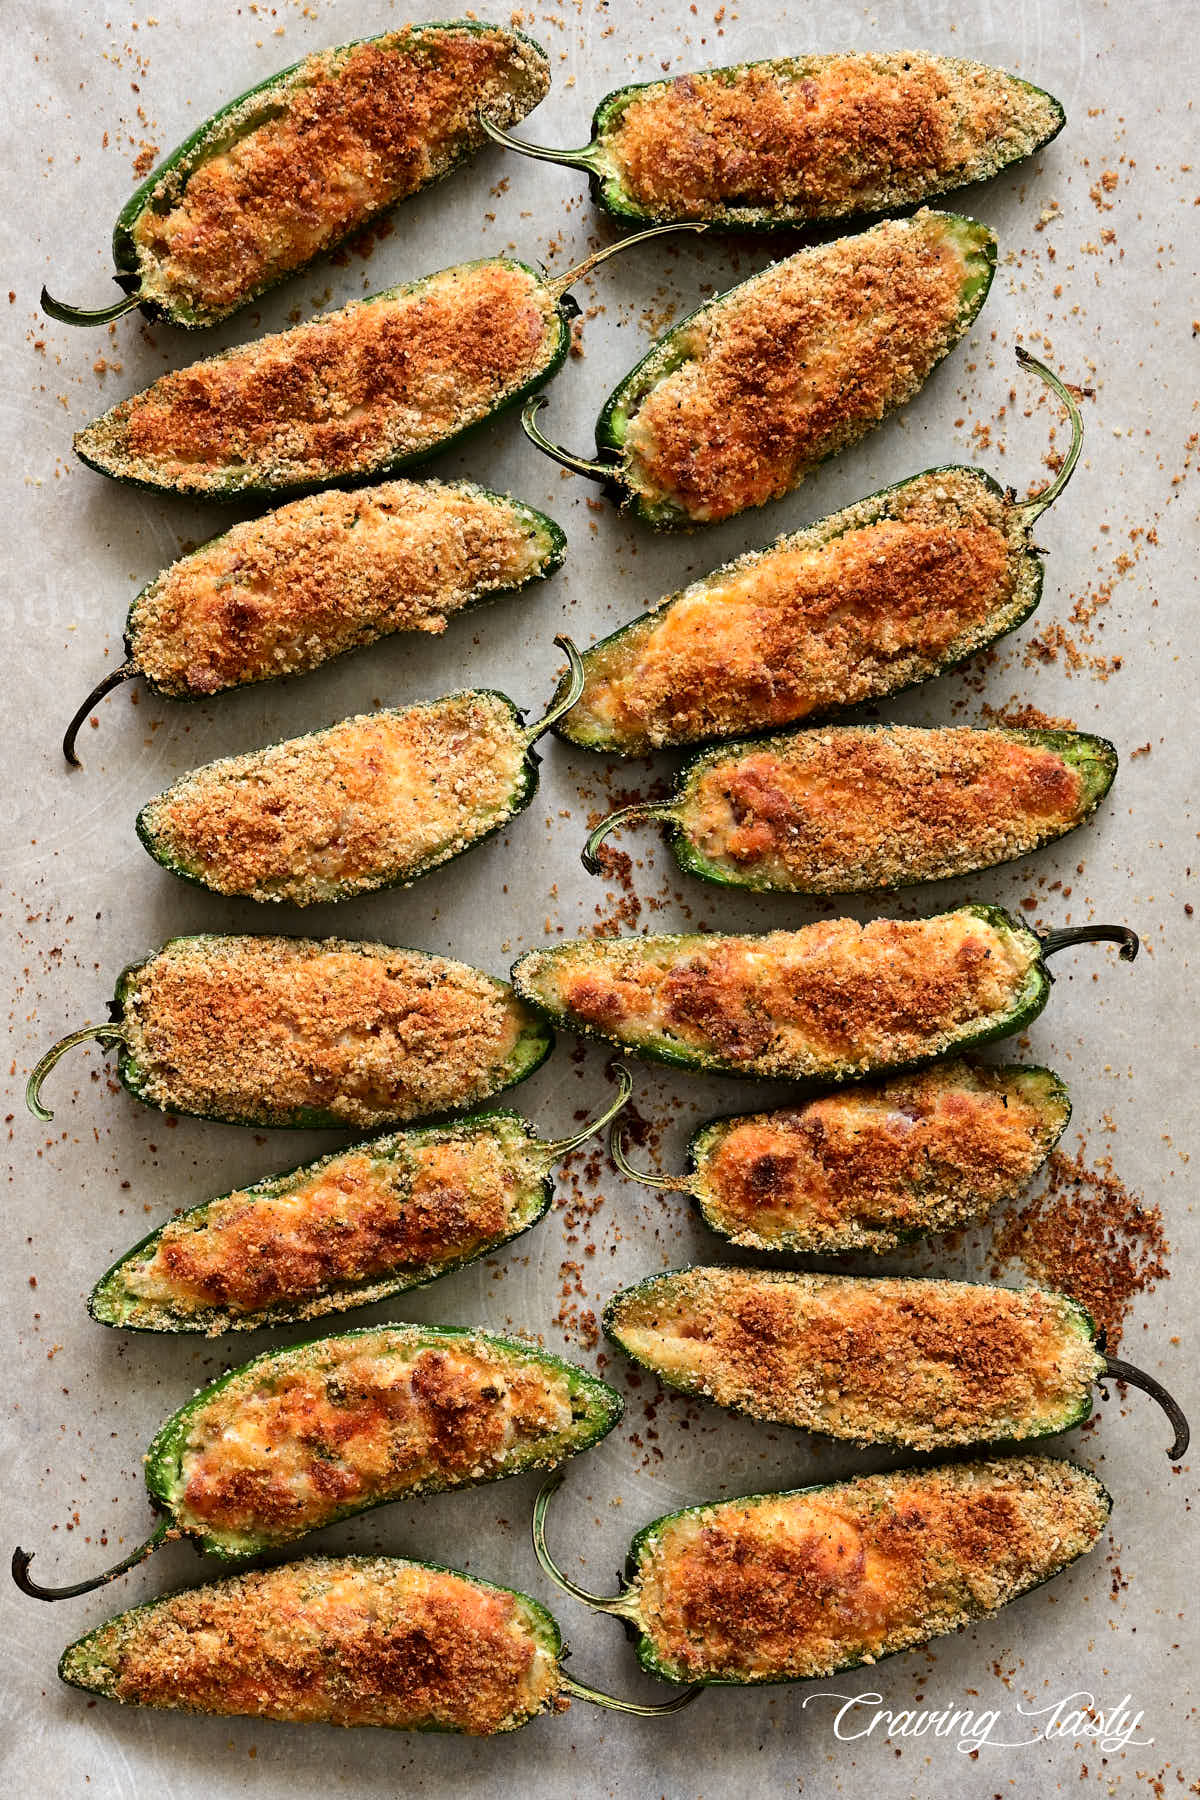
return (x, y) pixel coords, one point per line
(287, 1447)
(866, 602)
(859, 808)
(348, 393)
(925, 1364)
(863, 1168)
(375, 800)
(281, 594)
(796, 364)
(834, 995)
(353, 131)
(258, 1029)
(801, 1585)
(823, 136)
(347, 1641)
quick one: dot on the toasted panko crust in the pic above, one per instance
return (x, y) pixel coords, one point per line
(922, 1364)
(348, 133)
(862, 604)
(319, 576)
(262, 1029)
(369, 803)
(791, 1586)
(794, 365)
(867, 1167)
(350, 393)
(341, 1641)
(821, 137)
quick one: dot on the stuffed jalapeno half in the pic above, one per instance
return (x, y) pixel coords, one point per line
(377, 801)
(892, 591)
(372, 1220)
(302, 1032)
(304, 159)
(870, 1166)
(922, 1364)
(716, 418)
(829, 1002)
(772, 145)
(788, 1586)
(859, 807)
(321, 576)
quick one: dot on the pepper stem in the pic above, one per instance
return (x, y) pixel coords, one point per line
(78, 315)
(566, 694)
(574, 159)
(641, 810)
(559, 284)
(1116, 1370)
(582, 1692)
(578, 465)
(105, 1034)
(126, 672)
(21, 1560)
(1036, 505)
(562, 1146)
(624, 1605)
(1054, 941)
(616, 1149)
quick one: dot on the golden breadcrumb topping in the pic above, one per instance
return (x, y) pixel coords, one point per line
(343, 1641)
(803, 1584)
(866, 602)
(832, 997)
(258, 1030)
(923, 1364)
(820, 137)
(309, 159)
(832, 811)
(369, 803)
(323, 575)
(350, 393)
(285, 1447)
(864, 1168)
(795, 364)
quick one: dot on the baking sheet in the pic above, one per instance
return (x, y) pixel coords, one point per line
(1097, 271)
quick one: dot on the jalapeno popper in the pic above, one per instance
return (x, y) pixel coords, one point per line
(374, 802)
(348, 1640)
(347, 1230)
(736, 405)
(282, 594)
(305, 158)
(767, 146)
(887, 593)
(307, 1032)
(925, 1365)
(302, 1437)
(830, 1002)
(870, 1166)
(784, 1587)
(874, 806)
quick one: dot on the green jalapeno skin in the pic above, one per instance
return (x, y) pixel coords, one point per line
(677, 170)
(181, 274)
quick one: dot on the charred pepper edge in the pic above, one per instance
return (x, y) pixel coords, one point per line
(208, 137)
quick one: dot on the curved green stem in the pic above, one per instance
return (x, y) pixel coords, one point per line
(623, 1606)
(573, 159)
(126, 672)
(578, 465)
(1116, 1370)
(1036, 505)
(562, 1146)
(21, 1560)
(641, 810)
(671, 1184)
(78, 315)
(558, 284)
(566, 695)
(104, 1034)
(1128, 939)
(582, 1692)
